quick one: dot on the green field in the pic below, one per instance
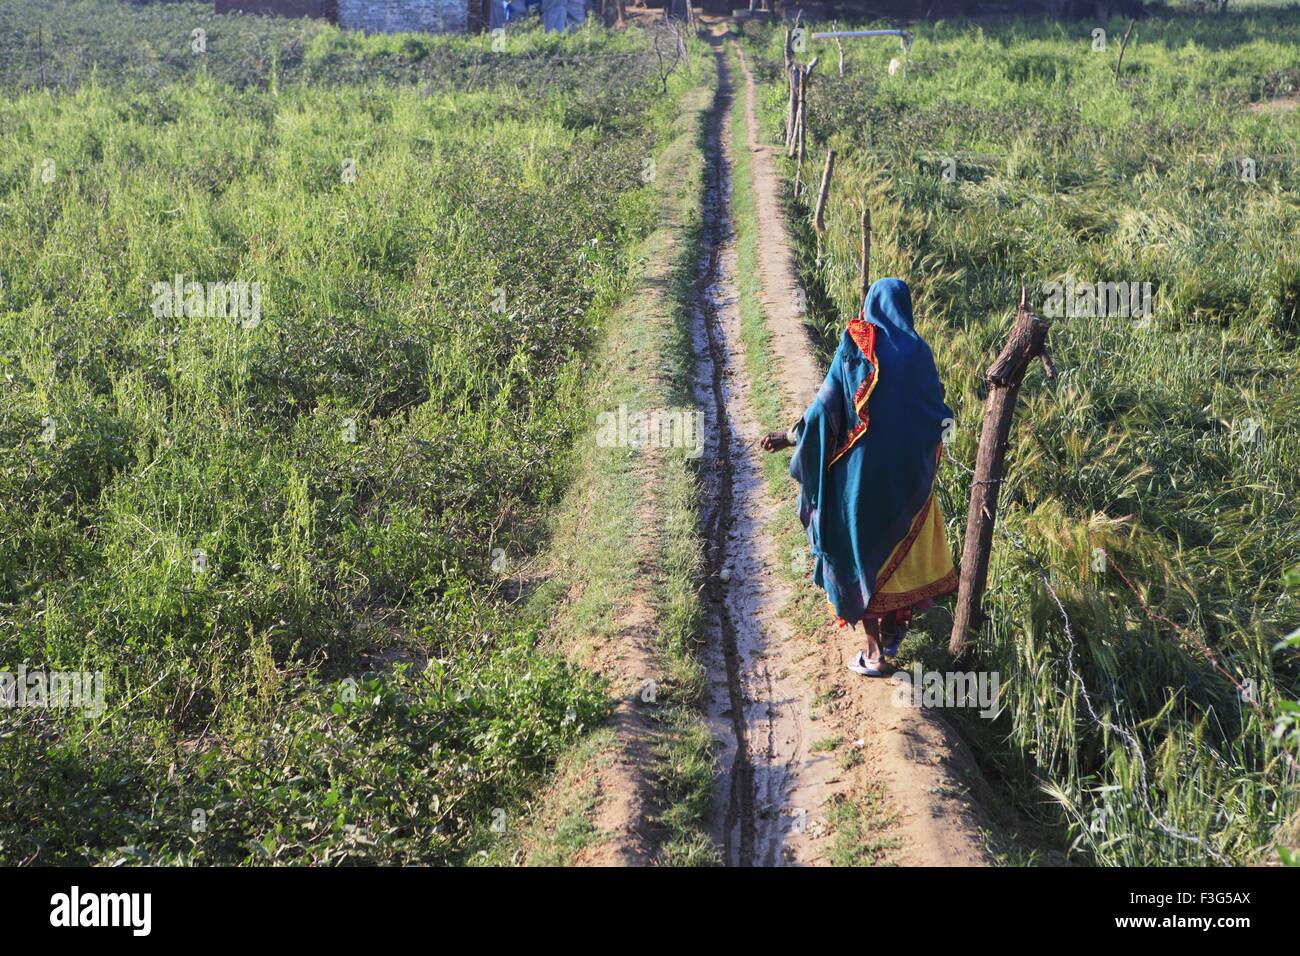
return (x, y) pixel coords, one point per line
(281, 532)
(302, 332)
(1166, 453)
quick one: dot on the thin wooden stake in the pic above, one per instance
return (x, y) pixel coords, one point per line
(796, 85)
(1122, 46)
(40, 52)
(792, 103)
(864, 266)
(1028, 339)
(804, 111)
(819, 217)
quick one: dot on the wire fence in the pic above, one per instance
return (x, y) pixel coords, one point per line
(1107, 725)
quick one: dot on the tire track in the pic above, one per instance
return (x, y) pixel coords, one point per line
(757, 712)
(715, 290)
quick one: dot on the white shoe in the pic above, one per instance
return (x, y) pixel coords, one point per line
(859, 665)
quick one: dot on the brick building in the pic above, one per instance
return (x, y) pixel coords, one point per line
(393, 16)
(374, 16)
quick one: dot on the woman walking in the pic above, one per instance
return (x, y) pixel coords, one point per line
(865, 455)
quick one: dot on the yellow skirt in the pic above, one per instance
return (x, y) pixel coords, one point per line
(919, 568)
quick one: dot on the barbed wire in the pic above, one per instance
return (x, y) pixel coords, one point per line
(1206, 651)
(947, 456)
(1120, 731)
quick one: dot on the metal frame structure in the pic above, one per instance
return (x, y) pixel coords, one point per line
(838, 35)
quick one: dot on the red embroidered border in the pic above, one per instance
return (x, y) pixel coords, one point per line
(864, 336)
(884, 603)
(892, 602)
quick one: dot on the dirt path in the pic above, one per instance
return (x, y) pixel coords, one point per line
(770, 786)
(792, 340)
(774, 693)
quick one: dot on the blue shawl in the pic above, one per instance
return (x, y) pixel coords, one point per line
(866, 455)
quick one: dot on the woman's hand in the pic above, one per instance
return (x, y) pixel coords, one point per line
(775, 441)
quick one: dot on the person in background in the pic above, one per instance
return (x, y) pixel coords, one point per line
(503, 12)
(577, 13)
(560, 15)
(865, 456)
(555, 15)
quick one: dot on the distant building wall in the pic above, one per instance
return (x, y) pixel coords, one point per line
(325, 9)
(397, 16)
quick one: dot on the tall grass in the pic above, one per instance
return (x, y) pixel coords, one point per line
(286, 544)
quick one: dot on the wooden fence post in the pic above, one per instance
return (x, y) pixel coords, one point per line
(1028, 339)
(864, 264)
(801, 122)
(819, 217)
(800, 76)
(792, 103)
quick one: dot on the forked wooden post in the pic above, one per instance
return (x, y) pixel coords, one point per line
(800, 76)
(1028, 340)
